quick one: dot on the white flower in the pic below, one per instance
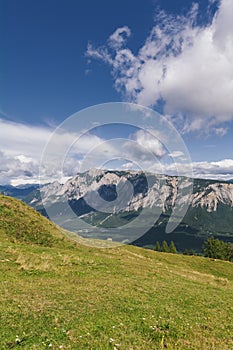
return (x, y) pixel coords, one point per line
(17, 339)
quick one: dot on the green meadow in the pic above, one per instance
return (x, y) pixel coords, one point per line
(58, 293)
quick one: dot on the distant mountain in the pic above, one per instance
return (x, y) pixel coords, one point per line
(210, 211)
(20, 191)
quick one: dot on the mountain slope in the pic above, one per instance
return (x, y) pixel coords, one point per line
(70, 296)
(77, 297)
(19, 222)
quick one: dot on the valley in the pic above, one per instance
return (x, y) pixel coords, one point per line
(209, 209)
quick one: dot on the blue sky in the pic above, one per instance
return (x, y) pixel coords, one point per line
(59, 57)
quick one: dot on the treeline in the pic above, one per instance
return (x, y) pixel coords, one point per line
(165, 248)
(212, 248)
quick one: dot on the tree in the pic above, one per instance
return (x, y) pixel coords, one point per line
(164, 247)
(217, 249)
(157, 246)
(172, 248)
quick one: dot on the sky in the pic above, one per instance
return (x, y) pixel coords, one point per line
(59, 57)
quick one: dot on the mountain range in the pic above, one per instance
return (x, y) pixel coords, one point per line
(107, 199)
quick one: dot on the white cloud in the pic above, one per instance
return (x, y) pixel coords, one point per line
(176, 154)
(22, 146)
(221, 170)
(221, 131)
(190, 67)
(145, 141)
(17, 139)
(21, 149)
(118, 38)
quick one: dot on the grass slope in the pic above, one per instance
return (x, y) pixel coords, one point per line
(70, 296)
(21, 223)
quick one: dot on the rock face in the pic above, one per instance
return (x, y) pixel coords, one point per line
(162, 191)
(213, 195)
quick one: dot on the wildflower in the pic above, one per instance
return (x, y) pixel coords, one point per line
(17, 339)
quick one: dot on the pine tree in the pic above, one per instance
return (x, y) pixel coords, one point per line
(172, 248)
(164, 247)
(157, 246)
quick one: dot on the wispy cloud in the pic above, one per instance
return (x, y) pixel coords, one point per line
(118, 38)
(186, 65)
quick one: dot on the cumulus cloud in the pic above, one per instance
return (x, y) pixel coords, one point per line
(14, 168)
(22, 146)
(146, 141)
(187, 66)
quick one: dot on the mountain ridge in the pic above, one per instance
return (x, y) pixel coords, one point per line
(210, 211)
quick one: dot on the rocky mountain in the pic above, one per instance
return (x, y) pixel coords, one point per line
(163, 191)
(111, 199)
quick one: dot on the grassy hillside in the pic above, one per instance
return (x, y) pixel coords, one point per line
(21, 223)
(70, 296)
